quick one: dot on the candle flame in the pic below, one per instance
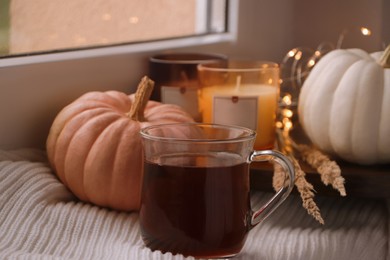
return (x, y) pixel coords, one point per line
(238, 82)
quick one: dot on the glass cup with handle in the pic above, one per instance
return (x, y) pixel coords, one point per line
(196, 190)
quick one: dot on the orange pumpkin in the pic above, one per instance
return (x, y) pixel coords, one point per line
(94, 145)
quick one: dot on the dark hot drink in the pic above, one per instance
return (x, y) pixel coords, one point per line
(196, 204)
(195, 194)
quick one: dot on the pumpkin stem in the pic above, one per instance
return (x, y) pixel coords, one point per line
(384, 61)
(142, 95)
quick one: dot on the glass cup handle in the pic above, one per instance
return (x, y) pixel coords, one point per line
(271, 155)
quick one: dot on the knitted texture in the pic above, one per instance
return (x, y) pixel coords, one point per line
(41, 219)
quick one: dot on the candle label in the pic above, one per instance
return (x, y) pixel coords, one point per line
(234, 110)
(185, 97)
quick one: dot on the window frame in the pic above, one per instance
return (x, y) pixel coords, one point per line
(133, 48)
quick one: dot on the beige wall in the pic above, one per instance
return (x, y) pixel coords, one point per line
(268, 29)
(316, 21)
(264, 31)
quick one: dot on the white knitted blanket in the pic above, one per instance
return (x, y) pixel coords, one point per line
(40, 219)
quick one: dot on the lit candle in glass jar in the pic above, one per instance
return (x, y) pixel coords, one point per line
(244, 94)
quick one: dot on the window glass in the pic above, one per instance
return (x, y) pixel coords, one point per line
(50, 25)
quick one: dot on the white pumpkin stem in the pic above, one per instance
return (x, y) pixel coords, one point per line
(142, 95)
(384, 61)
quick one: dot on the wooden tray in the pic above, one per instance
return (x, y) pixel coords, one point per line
(360, 181)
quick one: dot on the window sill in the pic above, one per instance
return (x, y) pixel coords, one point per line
(118, 50)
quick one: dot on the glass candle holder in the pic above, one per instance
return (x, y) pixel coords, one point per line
(241, 93)
(176, 81)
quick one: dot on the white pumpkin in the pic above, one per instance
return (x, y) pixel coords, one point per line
(344, 105)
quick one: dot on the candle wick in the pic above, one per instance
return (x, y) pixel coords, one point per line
(238, 82)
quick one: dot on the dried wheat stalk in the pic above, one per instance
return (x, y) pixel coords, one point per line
(329, 170)
(304, 188)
